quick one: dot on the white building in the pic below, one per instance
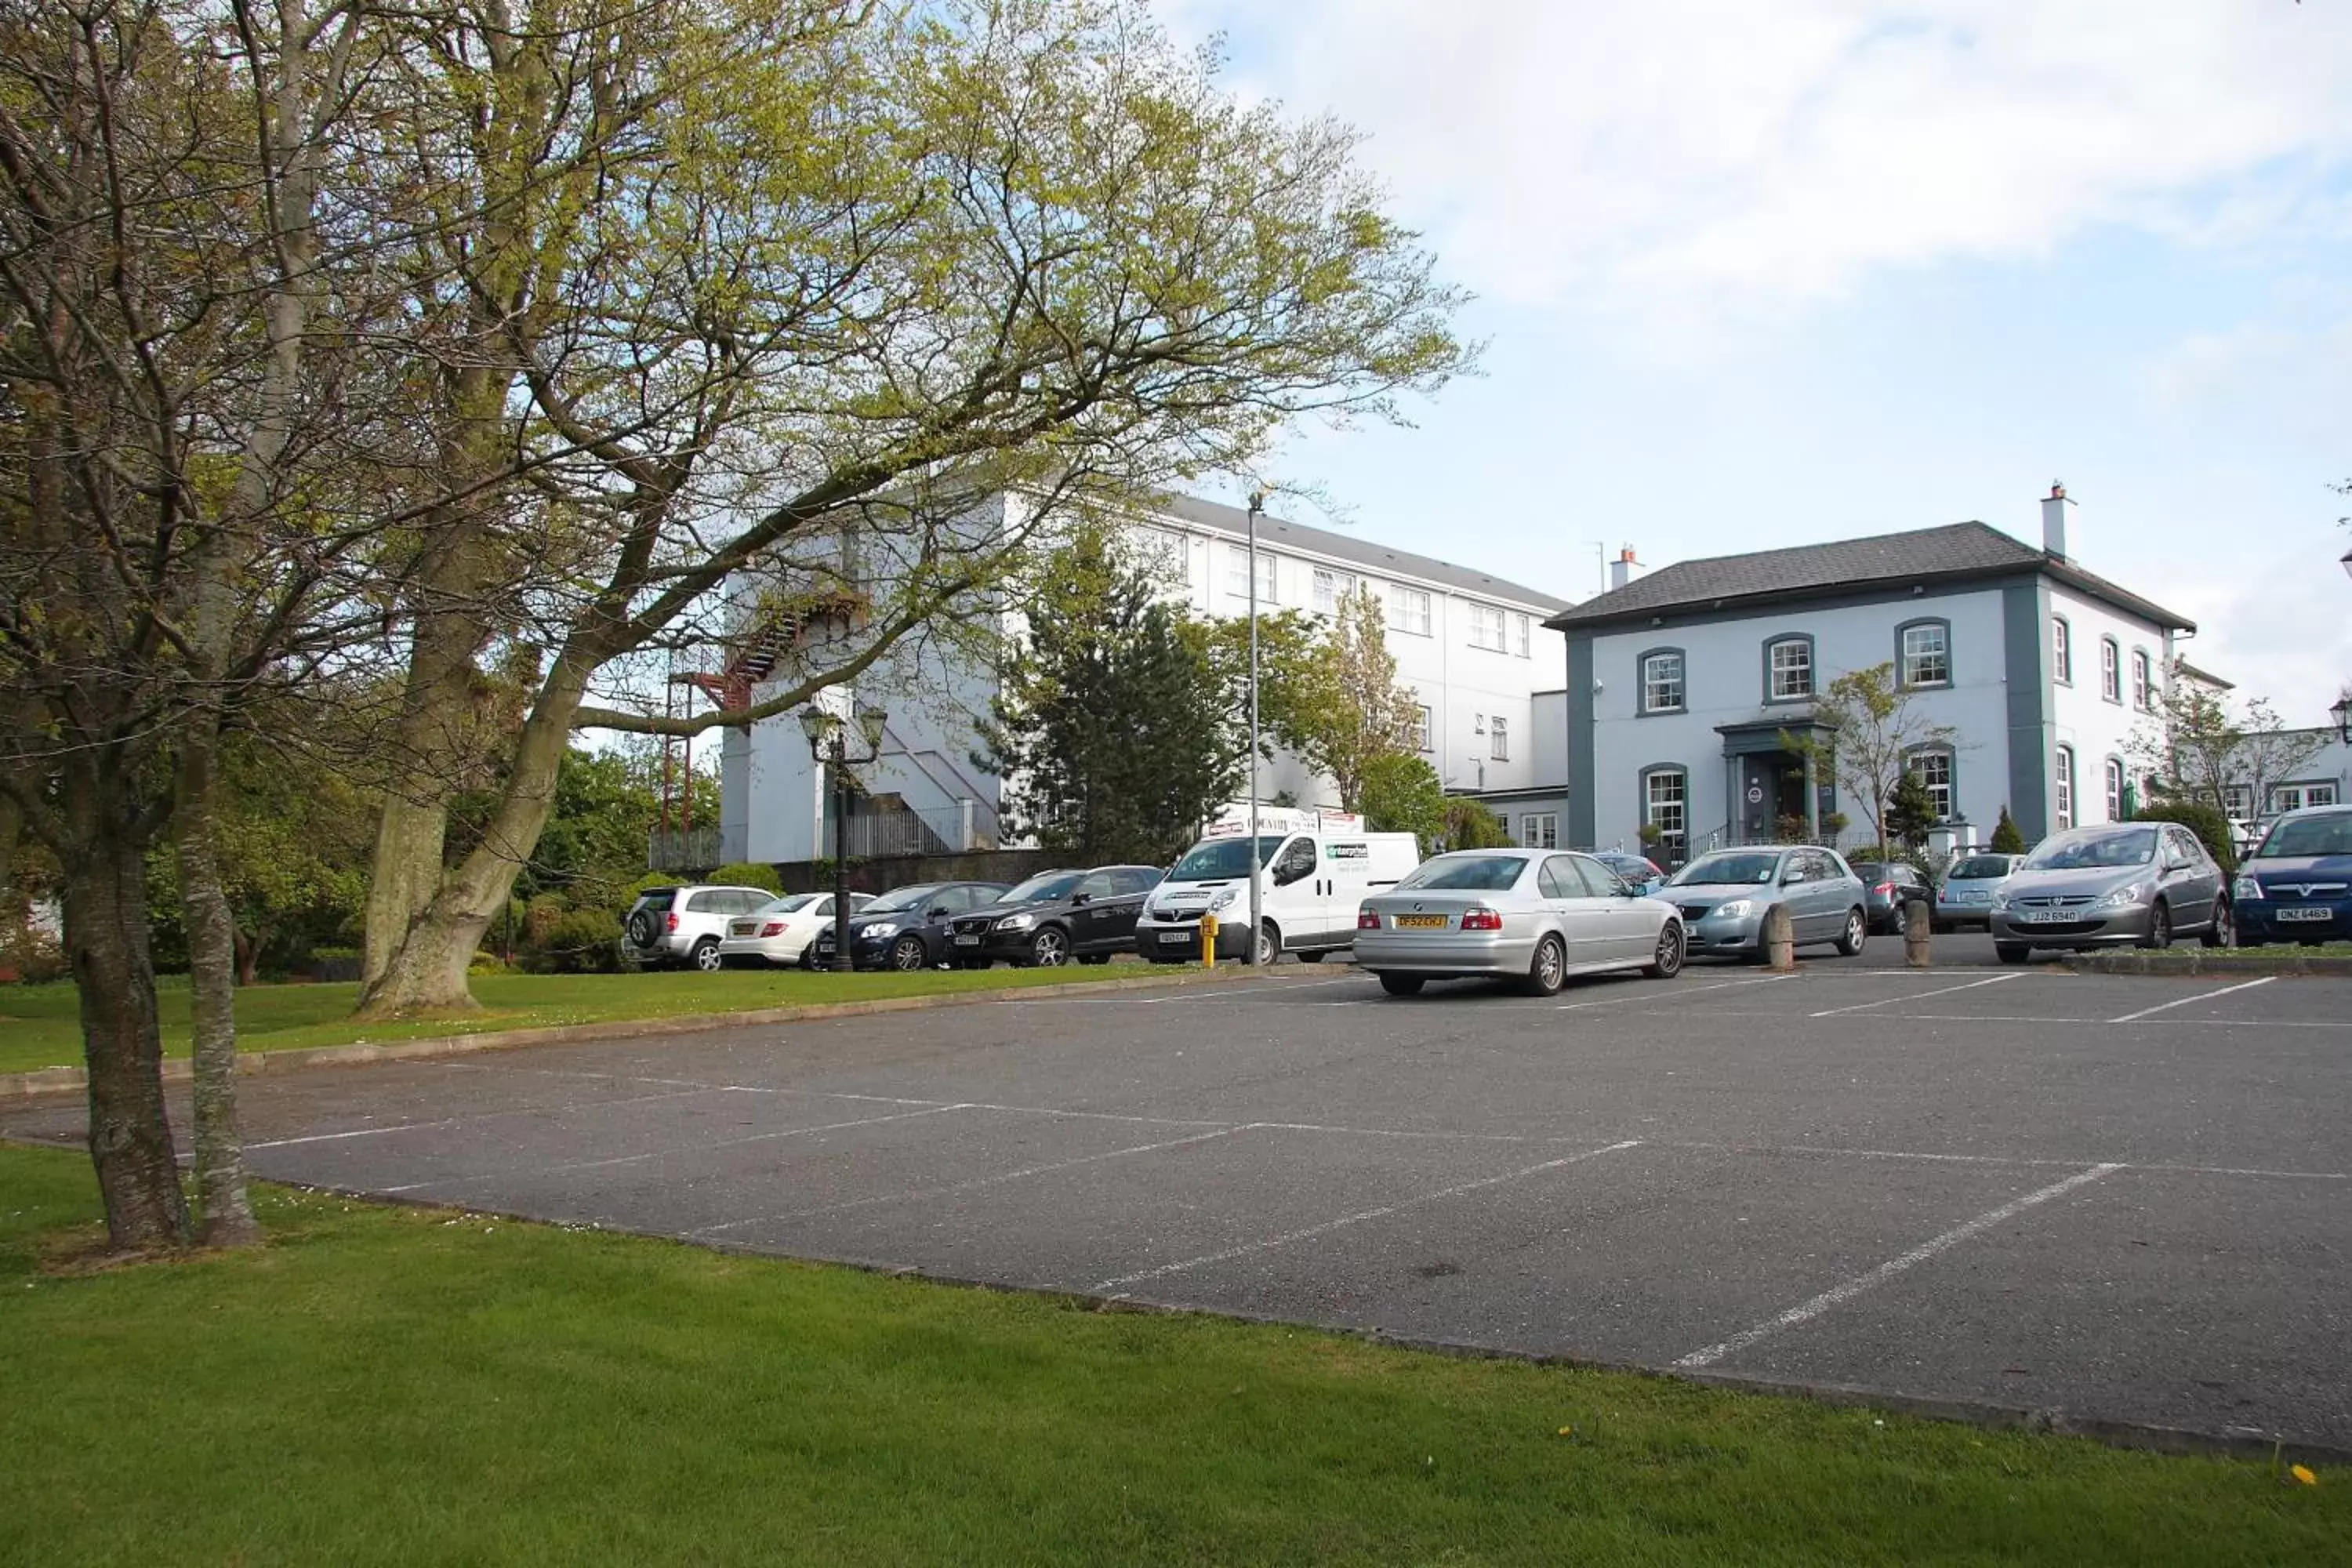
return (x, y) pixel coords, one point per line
(1684, 685)
(1474, 647)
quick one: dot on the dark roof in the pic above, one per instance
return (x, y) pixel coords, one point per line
(1956, 552)
(1380, 558)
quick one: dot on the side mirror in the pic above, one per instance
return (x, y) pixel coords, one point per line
(1077, 899)
(937, 912)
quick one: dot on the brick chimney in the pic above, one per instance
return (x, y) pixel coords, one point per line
(2053, 522)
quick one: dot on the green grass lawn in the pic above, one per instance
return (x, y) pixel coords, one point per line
(404, 1386)
(39, 1025)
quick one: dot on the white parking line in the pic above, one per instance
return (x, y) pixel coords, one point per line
(1654, 995)
(2184, 1001)
(1913, 996)
(1311, 1232)
(477, 1116)
(1804, 1311)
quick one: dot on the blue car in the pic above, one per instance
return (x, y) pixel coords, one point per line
(2297, 884)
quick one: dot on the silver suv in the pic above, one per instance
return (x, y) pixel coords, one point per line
(684, 925)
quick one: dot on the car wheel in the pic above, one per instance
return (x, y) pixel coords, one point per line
(906, 954)
(1668, 961)
(2012, 952)
(1547, 970)
(1314, 956)
(704, 956)
(1857, 931)
(2220, 932)
(641, 927)
(1269, 945)
(1050, 948)
(2159, 927)
(1402, 985)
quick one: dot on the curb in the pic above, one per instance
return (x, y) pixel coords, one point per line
(2220, 961)
(1986, 1416)
(178, 1069)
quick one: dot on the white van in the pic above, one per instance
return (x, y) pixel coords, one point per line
(1309, 885)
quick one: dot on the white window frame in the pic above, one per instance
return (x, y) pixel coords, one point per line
(1658, 807)
(2111, 669)
(2062, 651)
(1332, 585)
(1526, 633)
(1651, 682)
(1498, 739)
(1488, 627)
(2143, 681)
(1772, 651)
(2296, 796)
(1409, 611)
(1539, 830)
(2238, 801)
(1237, 573)
(1421, 727)
(1913, 660)
(2115, 783)
(1943, 794)
(2062, 801)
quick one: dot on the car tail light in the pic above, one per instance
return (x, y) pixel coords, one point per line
(1885, 887)
(1481, 920)
(773, 928)
(672, 919)
(1368, 920)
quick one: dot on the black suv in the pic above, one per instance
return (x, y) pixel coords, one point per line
(906, 928)
(1893, 884)
(1053, 917)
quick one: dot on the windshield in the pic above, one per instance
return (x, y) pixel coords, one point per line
(1213, 859)
(1759, 866)
(1976, 868)
(901, 899)
(2330, 835)
(1045, 888)
(788, 903)
(1466, 873)
(2088, 851)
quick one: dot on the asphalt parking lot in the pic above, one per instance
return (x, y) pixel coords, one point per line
(2125, 1198)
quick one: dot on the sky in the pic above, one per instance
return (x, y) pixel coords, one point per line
(1757, 275)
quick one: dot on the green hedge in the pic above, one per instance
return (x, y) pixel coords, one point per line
(747, 874)
(2207, 822)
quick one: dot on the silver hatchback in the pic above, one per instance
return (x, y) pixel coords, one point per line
(1965, 895)
(2126, 882)
(1536, 916)
(1725, 894)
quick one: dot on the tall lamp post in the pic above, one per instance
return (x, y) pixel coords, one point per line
(828, 740)
(1257, 921)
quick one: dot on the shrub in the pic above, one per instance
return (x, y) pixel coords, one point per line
(2205, 821)
(2006, 838)
(582, 942)
(540, 916)
(744, 874)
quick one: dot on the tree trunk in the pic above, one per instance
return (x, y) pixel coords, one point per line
(426, 972)
(226, 1211)
(114, 973)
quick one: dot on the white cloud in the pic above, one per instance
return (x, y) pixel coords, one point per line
(1690, 147)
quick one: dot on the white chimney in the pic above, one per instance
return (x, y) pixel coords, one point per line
(1621, 571)
(2054, 522)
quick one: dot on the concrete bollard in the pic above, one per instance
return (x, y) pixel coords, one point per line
(1918, 929)
(1208, 941)
(1779, 940)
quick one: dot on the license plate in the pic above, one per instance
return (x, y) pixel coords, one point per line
(2051, 916)
(967, 942)
(2318, 917)
(1419, 923)
(1175, 936)
(1971, 897)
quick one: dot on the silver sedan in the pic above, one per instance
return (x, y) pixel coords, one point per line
(1536, 916)
(2139, 882)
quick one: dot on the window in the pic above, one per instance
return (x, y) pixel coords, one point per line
(1409, 611)
(1662, 681)
(2238, 801)
(1934, 772)
(2294, 797)
(1539, 830)
(1788, 670)
(2143, 682)
(1237, 573)
(2111, 673)
(1498, 734)
(2115, 789)
(2066, 800)
(1487, 627)
(1330, 587)
(2062, 651)
(1524, 635)
(1666, 796)
(1420, 735)
(1927, 653)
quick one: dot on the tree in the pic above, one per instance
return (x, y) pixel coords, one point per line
(2196, 747)
(1355, 716)
(1402, 794)
(1470, 825)
(1875, 728)
(2006, 838)
(1910, 812)
(793, 299)
(1112, 740)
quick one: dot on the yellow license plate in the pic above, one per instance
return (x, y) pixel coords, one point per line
(1420, 922)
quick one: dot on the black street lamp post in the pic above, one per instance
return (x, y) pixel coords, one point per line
(828, 740)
